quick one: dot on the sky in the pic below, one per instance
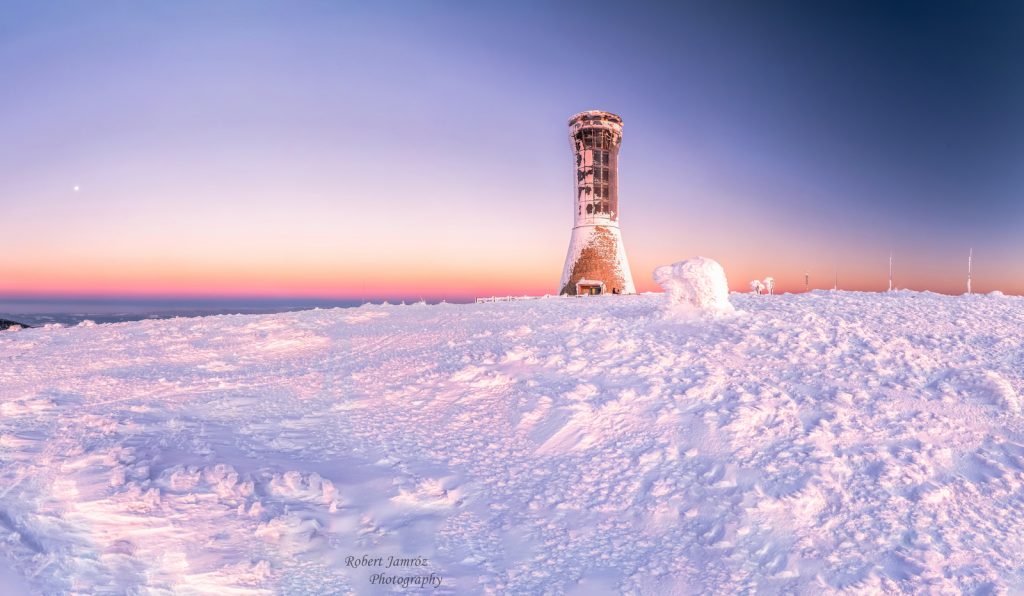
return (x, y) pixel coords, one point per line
(420, 149)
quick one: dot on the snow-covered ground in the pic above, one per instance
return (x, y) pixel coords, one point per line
(824, 442)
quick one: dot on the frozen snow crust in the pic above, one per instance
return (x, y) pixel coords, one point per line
(823, 443)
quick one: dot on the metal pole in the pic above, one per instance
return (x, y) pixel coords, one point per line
(890, 270)
(970, 263)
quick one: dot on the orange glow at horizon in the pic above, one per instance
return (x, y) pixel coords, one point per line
(324, 280)
(213, 280)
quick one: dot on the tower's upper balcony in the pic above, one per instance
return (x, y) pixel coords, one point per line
(596, 119)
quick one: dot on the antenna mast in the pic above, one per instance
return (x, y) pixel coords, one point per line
(890, 270)
(970, 263)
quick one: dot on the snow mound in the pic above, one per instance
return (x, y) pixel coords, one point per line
(697, 283)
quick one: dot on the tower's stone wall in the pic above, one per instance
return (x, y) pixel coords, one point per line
(597, 261)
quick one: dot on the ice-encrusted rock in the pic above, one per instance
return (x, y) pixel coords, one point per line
(698, 283)
(13, 325)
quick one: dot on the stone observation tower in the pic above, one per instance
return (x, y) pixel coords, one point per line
(596, 263)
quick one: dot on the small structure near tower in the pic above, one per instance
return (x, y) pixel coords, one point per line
(596, 262)
(590, 287)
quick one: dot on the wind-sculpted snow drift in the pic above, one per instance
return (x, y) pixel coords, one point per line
(822, 443)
